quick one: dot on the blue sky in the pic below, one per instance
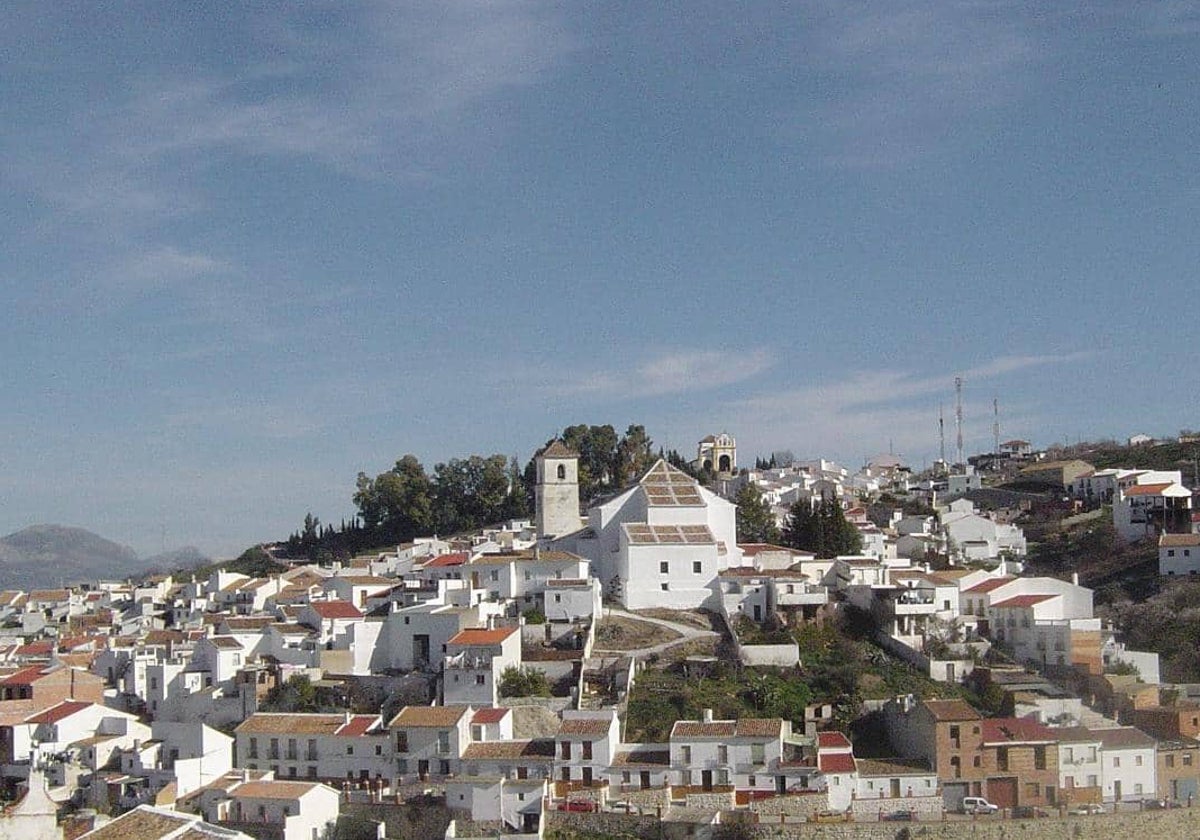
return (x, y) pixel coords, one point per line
(251, 249)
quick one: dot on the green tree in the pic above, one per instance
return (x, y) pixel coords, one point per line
(822, 530)
(524, 682)
(396, 505)
(634, 455)
(256, 561)
(755, 521)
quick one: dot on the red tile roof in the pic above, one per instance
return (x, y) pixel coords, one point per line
(25, 676)
(832, 740)
(456, 558)
(335, 609)
(1022, 601)
(479, 636)
(990, 584)
(56, 713)
(359, 725)
(1006, 730)
(494, 715)
(836, 763)
(1147, 489)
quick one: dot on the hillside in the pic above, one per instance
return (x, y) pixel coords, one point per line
(49, 555)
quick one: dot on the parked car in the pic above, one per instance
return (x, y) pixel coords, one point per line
(1155, 804)
(1087, 809)
(579, 805)
(1026, 811)
(978, 805)
(898, 816)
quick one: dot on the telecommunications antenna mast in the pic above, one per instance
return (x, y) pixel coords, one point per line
(942, 431)
(996, 426)
(958, 383)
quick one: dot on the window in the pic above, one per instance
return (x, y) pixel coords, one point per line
(1039, 758)
(978, 762)
(402, 742)
(1069, 755)
(349, 749)
(696, 566)
(443, 745)
(253, 748)
(1137, 760)
(562, 472)
(1091, 753)
(566, 750)
(312, 771)
(664, 568)
(1116, 761)
(1091, 781)
(1137, 789)
(954, 737)
(495, 575)
(685, 753)
(1033, 789)
(1170, 760)
(1002, 758)
(1187, 759)
(666, 587)
(480, 679)
(379, 749)
(722, 754)
(757, 754)
(528, 576)
(558, 599)
(587, 750)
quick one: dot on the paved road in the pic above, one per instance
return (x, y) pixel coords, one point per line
(686, 632)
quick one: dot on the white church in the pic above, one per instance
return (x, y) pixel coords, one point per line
(659, 543)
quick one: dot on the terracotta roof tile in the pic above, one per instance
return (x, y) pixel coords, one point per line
(439, 717)
(481, 636)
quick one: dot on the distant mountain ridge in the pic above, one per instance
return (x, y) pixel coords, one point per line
(43, 556)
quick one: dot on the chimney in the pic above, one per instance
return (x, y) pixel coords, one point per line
(708, 717)
(1075, 578)
(245, 774)
(347, 722)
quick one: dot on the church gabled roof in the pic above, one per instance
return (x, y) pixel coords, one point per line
(668, 486)
(557, 449)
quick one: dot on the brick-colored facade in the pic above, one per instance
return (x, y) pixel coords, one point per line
(1178, 765)
(1182, 721)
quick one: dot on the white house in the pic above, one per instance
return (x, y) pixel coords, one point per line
(1178, 554)
(587, 744)
(1080, 763)
(430, 740)
(664, 540)
(293, 810)
(1129, 768)
(475, 659)
(327, 747)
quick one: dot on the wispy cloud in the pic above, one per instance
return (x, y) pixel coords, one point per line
(903, 77)
(865, 410)
(674, 372)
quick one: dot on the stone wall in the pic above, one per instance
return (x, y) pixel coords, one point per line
(799, 805)
(924, 807)
(1182, 824)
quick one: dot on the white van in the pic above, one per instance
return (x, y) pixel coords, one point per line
(978, 805)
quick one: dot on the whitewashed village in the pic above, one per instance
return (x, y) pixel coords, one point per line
(528, 676)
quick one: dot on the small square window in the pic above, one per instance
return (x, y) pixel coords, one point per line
(664, 587)
(664, 568)
(696, 567)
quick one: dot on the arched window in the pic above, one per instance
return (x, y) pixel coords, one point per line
(562, 472)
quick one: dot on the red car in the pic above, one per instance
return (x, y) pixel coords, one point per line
(580, 805)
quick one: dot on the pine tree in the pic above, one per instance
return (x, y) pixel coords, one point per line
(755, 522)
